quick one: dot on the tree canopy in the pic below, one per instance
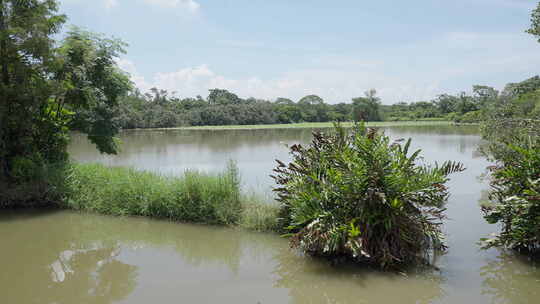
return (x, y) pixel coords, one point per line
(535, 23)
(50, 87)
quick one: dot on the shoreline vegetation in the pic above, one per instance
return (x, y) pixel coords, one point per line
(312, 125)
(366, 216)
(194, 197)
(358, 195)
(52, 87)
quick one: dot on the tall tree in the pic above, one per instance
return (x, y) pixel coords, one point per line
(222, 97)
(48, 89)
(535, 23)
(26, 48)
(367, 108)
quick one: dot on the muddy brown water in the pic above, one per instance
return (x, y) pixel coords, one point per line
(67, 257)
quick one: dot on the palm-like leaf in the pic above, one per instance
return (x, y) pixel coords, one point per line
(358, 195)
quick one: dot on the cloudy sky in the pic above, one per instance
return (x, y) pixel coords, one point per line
(407, 50)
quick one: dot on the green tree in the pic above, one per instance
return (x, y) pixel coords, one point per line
(485, 95)
(222, 97)
(446, 103)
(49, 89)
(26, 46)
(521, 88)
(535, 23)
(513, 137)
(284, 101)
(311, 107)
(367, 108)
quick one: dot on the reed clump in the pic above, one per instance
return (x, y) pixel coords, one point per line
(193, 197)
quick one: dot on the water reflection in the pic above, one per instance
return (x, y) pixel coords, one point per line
(43, 261)
(95, 259)
(511, 278)
(66, 257)
(90, 276)
(174, 151)
(314, 281)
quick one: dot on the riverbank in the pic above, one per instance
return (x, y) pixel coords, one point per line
(311, 125)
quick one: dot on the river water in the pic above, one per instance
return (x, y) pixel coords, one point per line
(67, 257)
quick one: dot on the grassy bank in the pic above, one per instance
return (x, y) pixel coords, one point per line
(194, 197)
(313, 125)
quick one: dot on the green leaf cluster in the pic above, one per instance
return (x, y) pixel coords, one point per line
(361, 196)
(49, 88)
(515, 188)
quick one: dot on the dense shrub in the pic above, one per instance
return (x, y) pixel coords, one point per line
(34, 184)
(360, 196)
(470, 117)
(514, 146)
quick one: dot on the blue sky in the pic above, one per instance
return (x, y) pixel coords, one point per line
(407, 50)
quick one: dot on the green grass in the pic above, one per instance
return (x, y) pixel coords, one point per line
(194, 197)
(259, 215)
(314, 125)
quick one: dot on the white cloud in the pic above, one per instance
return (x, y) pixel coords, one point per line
(110, 3)
(137, 78)
(334, 85)
(191, 5)
(450, 63)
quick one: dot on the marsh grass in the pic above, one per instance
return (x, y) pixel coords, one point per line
(259, 215)
(193, 197)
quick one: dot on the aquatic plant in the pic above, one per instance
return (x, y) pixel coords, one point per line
(259, 215)
(358, 195)
(193, 197)
(515, 183)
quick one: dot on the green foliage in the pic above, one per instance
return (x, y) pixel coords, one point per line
(195, 197)
(469, 117)
(367, 108)
(359, 195)
(49, 88)
(513, 134)
(26, 48)
(159, 110)
(91, 85)
(515, 182)
(259, 215)
(535, 23)
(522, 88)
(223, 97)
(34, 184)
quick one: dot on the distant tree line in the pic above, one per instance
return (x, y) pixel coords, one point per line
(471, 108)
(159, 109)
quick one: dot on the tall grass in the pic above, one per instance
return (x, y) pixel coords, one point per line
(194, 197)
(259, 215)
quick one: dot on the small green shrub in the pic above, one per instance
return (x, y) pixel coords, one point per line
(260, 216)
(195, 197)
(363, 197)
(515, 183)
(33, 184)
(453, 116)
(470, 117)
(25, 169)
